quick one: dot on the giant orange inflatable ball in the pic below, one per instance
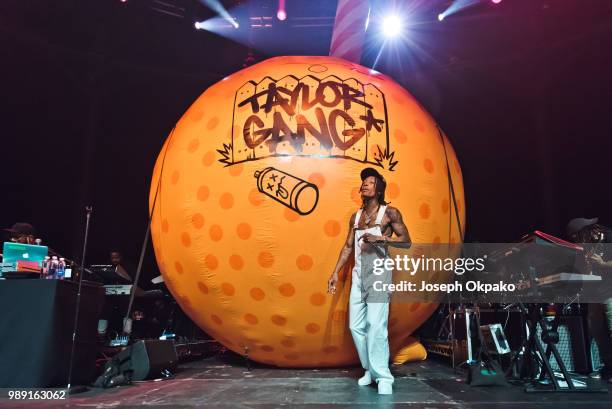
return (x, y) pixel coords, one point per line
(254, 189)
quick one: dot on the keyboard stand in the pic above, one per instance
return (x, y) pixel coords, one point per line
(534, 352)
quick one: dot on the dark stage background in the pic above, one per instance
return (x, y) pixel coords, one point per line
(90, 90)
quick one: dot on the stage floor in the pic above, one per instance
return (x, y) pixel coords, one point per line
(225, 382)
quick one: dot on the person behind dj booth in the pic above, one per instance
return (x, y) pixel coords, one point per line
(581, 230)
(23, 233)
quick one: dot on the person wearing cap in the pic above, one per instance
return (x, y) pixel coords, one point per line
(370, 229)
(581, 230)
(23, 233)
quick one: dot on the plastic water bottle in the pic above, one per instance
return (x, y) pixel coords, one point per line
(45, 267)
(53, 267)
(61, 269)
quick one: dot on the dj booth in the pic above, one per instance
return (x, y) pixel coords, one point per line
(37, 326)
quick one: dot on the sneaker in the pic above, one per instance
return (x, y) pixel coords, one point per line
(365, 380)
(385, 388)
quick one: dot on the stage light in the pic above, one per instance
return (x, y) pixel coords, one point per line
(281, 14)
(496, 1)
(460, 5)
(216, 6)
(392, 26)
(216, 24)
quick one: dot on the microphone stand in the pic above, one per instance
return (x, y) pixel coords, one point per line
(71, 390)
(127, 320)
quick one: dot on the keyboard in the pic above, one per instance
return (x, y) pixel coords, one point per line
(125, 289)
(118, 289)
(568, 278)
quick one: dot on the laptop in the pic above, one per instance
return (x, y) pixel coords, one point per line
(27, 253)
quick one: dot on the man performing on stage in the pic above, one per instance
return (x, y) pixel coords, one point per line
(581, 230)
(370, 230)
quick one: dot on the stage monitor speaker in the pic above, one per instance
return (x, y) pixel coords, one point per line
(572, 345)
(147, 359)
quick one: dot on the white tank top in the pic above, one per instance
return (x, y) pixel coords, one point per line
(375, 230)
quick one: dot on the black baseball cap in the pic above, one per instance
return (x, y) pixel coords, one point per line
(367, 172)
(576, 225)
(22, 228)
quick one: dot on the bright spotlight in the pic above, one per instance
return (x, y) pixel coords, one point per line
(440, 16)
(496, 1)
(216, 6)
(392, 26)
(281, 14)
(198, 25)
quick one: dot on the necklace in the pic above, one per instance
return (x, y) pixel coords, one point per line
(368, 217)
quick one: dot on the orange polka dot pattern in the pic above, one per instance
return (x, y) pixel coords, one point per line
(252, 272)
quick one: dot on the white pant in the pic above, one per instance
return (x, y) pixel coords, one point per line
(368, 324)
